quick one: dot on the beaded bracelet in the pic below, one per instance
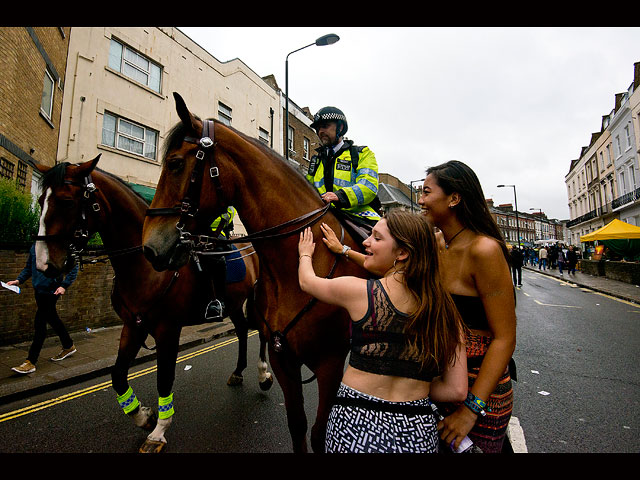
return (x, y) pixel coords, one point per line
(475, 404)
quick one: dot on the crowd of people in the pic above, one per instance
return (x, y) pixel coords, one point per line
(560, 256)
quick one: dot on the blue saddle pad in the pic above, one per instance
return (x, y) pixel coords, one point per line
(236, 269)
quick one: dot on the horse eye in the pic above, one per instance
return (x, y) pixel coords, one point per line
(67, 204)
(175, 164)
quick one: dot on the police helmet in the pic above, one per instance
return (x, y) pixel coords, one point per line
(331, 114)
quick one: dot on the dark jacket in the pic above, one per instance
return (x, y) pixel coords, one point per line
(41, 283)
(516, 258)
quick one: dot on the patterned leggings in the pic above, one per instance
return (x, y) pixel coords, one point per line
(361, 423)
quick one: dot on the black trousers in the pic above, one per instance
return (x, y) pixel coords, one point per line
(518, 271)
(47, 313)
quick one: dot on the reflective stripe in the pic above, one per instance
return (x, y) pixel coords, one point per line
(360, 187)
(128, 401)
(165, 406)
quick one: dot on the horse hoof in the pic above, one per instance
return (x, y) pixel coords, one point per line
(266, 384)
(234, 380)
(152, 446)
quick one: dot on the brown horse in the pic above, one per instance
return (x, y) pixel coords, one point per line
(79, 200)
(275, 203)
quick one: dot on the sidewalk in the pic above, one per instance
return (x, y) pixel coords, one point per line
(622, 290)
(96, 355)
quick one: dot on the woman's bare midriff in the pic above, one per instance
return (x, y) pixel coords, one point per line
(390, 388)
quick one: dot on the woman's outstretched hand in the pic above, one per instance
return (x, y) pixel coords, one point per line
(331, 240)
(306, 245)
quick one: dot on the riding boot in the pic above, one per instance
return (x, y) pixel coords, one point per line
(215, 309)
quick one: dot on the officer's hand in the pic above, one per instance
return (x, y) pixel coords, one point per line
(329, 197)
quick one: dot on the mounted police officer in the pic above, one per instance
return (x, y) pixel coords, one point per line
(222, 228)
(343, 173)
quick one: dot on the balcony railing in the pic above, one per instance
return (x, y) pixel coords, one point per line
(608, 208)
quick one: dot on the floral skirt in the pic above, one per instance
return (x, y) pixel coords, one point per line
(489, 431)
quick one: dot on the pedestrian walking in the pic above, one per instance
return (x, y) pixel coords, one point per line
(47, 293)
(561, 259)
(542, 258)
(572, 260)
(516, 266)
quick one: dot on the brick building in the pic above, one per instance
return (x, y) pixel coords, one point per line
(32, 75)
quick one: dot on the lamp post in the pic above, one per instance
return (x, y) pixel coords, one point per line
(516, 202)
(328, 39)
(413, 191)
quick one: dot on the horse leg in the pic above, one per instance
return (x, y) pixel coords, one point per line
(167, 342)
(242, 331)
(289, 375)
(265, 379)
(131, 340)
(328, 374)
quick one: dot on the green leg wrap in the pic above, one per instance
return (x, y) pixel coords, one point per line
(165, 407)
(128, 401)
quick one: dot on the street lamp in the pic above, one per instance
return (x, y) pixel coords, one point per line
(516, 202)
(412, 190)
(328, 39)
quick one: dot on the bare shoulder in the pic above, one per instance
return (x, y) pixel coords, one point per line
(485, 250)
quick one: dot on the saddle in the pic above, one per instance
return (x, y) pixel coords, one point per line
(359, 229)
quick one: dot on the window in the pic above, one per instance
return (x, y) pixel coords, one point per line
(46, 106)
(135, 66)
(224, 114)
(632, 178)
(21, 177)
(128, 136)
(290, 139)
(623, 187)
(307, 147)
(601, 161)
(619, 148)
(6, 168)
(627, 131)
(609, 154)
(263, 135)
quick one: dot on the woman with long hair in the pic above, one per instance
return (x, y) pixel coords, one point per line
(475, 271)
(474, 264)
(407, 341)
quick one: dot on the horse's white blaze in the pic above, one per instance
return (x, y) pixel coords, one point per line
(42, 253)
(262, 371)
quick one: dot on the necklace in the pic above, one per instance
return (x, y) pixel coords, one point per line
(446, 245)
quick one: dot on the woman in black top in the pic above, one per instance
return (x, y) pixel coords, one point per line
(407, 344)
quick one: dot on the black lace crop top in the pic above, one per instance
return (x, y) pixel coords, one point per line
(378, 344)
(472, 311)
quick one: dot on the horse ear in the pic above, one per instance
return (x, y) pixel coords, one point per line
(183, 112)
(87, 167)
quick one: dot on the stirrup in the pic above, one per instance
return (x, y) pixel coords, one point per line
(214, 311)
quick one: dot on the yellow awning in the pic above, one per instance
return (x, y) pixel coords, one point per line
(616, 230)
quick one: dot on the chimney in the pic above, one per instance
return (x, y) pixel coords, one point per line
(636, 75)
(489, 202)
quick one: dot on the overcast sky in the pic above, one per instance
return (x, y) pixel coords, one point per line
(515, 104)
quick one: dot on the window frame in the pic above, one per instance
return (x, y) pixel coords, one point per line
(125, 62)
(119, 133)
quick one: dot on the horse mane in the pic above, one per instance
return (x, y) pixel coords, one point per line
(54, 177)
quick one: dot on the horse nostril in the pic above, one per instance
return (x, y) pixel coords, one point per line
(149, 253)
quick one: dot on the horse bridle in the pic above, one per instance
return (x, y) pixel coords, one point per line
(189, 206)
(78, 240)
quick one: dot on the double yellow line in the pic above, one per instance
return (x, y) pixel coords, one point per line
(103, 386)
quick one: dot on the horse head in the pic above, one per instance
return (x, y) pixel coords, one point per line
(66, 219)
(192, 189)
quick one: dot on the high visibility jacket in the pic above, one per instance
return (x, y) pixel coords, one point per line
(227, 222)
(355, 185)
